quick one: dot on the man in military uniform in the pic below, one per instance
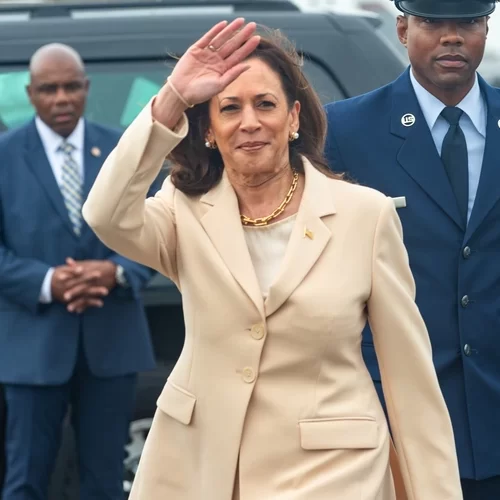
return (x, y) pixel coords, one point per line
(431, 140)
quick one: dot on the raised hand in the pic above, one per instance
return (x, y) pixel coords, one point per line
(214, 61)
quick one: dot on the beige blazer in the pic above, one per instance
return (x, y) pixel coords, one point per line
(279, 389)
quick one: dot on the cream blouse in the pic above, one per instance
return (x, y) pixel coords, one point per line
(267, 247)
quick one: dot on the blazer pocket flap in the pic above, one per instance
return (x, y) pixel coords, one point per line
(176, 403)
(339, 433)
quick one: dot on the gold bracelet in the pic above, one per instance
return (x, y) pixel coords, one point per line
(176, 92)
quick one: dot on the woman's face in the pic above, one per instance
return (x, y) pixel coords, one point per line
(251, 123)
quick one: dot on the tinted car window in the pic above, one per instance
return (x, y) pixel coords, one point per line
(119, 91)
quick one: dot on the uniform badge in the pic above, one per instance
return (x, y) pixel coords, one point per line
(408, 120)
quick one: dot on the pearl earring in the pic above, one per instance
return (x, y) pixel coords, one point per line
(293, 136)
(207, 144)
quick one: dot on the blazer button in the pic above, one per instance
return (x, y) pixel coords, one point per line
(258, 331)
(465, 301)
(466, 252)
(467, 350)
(248, 375)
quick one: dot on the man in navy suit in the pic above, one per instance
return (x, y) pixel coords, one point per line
(73, 331)
(431, 140)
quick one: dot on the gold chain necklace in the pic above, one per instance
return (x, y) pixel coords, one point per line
(263, 221)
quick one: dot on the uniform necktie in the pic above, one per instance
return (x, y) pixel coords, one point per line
(455, 159)
(71, 186)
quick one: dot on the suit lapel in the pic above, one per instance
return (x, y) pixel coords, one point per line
(418, 154)
(93, 152)
(37, 161)
(92, 157)
(488, 193)
(309, 238)
(223, 226)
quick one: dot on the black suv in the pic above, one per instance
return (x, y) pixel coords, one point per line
(129, 50)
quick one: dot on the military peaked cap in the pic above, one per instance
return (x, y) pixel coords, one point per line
(446, 9)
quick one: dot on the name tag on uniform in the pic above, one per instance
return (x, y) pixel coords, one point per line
(399, 202)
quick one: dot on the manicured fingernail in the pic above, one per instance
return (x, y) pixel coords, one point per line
(67, 296)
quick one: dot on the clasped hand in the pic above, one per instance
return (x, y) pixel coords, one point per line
(83, 284)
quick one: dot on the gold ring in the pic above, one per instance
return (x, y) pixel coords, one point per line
(212, 48)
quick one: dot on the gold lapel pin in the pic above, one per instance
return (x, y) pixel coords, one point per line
(95, 151)
(308, 234)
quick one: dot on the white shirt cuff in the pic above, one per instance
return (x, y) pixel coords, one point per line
(46, 291)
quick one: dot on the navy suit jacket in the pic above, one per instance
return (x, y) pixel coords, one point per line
(456, 268)
(39, 342)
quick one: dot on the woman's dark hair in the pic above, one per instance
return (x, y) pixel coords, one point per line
(196, 169)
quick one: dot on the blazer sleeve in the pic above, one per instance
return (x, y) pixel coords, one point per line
(117, 209)
(137, 275)
(418, 416)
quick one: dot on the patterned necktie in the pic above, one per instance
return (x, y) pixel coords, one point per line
(71, 186)
(456, 160)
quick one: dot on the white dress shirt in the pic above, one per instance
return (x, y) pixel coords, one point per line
(472, 123)
(51, 142)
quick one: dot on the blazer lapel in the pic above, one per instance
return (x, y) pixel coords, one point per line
(37, 161)
(488, 193)
(309, 238)
(223, 226)
(418, 154)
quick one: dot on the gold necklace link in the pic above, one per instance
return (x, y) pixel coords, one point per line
(263, 221)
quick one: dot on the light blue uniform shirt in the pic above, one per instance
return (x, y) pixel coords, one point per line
(472, 122)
